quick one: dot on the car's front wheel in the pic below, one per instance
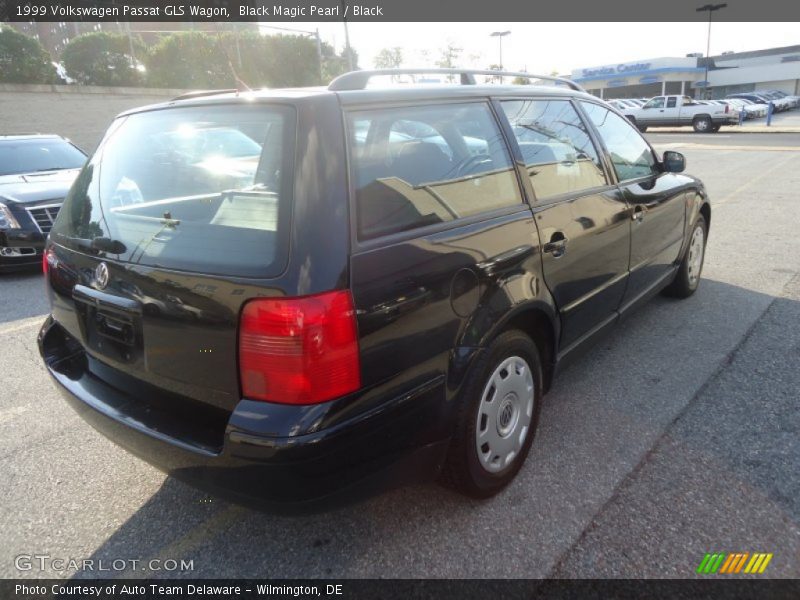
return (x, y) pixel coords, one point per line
(499, 413)
(688, 276)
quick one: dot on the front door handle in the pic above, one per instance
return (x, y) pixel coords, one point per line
(557, 246)
(638, 213)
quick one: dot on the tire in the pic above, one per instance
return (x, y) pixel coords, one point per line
(687, 279)
(482, 466)
(702, 124)
(642, 128)
(715, 128)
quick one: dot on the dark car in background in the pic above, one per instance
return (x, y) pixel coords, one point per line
(36, 172)
(377, 286)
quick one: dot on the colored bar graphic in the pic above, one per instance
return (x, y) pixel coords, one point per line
(734, 562)
(764, 564)
(703, 563)
(740, 564)
(727, 564)
(718, 562)
(754, 563)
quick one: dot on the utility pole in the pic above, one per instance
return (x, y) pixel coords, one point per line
(350, 65)
(500, 35)
(319, 55)
(710, 8)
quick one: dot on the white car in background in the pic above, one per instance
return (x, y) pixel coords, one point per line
(623, 104)
(793, 101)
(752, 110)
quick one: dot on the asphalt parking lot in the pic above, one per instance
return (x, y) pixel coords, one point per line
(677, 436)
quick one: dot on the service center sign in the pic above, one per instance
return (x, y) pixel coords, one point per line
(615, 70)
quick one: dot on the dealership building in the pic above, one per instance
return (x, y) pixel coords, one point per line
(728, 73)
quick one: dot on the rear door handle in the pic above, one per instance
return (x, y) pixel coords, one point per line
(638, 213)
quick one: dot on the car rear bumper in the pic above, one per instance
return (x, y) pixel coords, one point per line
(311, 472)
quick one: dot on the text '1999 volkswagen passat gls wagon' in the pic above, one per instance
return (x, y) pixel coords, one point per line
(287, 296)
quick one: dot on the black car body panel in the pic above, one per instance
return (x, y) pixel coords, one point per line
(150, 357)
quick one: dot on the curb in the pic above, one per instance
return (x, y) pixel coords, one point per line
(761, 129)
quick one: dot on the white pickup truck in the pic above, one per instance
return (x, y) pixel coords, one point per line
(676, 111)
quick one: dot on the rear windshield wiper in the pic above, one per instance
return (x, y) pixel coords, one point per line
(51, 169)
(98, 244)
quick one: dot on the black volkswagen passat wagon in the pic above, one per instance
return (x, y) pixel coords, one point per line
(290, 295)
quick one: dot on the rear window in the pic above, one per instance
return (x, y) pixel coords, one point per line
(205, 189)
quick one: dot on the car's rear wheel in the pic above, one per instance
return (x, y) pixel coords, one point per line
(702, 124)
(499, 413)
(642, 128)
(688, 276)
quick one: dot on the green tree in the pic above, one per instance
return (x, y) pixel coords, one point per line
(23, 59)
(190, 60)
(294, 61)
(202, 61)
(271, 61)
(101, 58)
(448, 56)
(334, 64)
(389, 58)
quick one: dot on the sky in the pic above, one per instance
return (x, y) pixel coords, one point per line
(547, 47)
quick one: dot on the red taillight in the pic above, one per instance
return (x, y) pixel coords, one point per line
(299, 350)
(727, 108)
(46, 261)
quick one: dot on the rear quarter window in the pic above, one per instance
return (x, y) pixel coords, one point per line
(426, 165)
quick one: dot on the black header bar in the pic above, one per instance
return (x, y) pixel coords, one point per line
(396, 11)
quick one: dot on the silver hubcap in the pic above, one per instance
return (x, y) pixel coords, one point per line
(702, 125)
(696, 248)
(504, 414)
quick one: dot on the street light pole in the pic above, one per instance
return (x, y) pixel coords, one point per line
(350, 65)
(500, 35)
(710, 8)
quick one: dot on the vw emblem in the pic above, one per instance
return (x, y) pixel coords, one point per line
(101, 276)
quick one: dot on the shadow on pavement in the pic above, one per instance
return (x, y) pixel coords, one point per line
(601, 421)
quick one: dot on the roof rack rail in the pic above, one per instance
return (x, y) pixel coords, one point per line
(201, 93)
(358, 80)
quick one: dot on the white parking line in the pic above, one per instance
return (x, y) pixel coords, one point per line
(763, 175)
(21, 324)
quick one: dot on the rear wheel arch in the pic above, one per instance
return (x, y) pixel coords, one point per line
(540, 327)
(705, 210)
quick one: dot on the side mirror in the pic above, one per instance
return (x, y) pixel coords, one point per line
(674, 162)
